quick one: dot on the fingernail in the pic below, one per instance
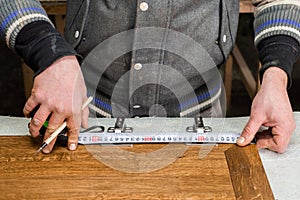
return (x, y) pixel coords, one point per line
(72, 147)
(46, 150)
(240, 140)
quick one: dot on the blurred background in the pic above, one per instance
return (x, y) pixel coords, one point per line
(12, 75)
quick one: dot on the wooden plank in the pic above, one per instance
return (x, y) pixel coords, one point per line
(247, 77)
(60, 23)
(247, 173)
(78, 175)
(246, 6)
(28, 75)
(228, 79)
(54, 7)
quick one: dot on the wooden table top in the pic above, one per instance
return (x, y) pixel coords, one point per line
(78, 175)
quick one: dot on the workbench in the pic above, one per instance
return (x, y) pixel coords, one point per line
(81, 175)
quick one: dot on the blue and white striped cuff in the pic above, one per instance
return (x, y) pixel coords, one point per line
(12, 20)
(278, 18)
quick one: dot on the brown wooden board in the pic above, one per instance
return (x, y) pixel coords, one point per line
(54, 8)
(78, 175)
(247, 173)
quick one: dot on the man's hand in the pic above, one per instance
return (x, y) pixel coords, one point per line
(271, 108)
(59, 91)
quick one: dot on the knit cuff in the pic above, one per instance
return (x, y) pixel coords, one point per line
(277, 18)
(15, 15)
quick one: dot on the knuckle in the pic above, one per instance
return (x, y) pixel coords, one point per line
(60, 109)
(33, 132)
(288, 130)
(73, 135)
(63, 108)
(73, 131)
(38, 96)
(51, 103)
(51, 128)
(36, 121)
(29, 105)
(248, 130)
(280, 149)
(281, 146)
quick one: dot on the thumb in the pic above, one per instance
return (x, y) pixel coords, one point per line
(249, 131)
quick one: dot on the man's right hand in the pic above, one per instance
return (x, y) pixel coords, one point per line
(59, 91)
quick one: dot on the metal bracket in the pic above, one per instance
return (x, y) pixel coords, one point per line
(198, 126)
(93, 129)
(120, 127)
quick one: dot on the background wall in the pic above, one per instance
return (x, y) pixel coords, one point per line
(12, 96)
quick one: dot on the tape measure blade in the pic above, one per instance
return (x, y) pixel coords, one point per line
(131, 138)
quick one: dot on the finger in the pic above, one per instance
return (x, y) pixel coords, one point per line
(272, 141)
(38, 120)
(73, 132)
(279, 141)
(249, 131)
(277, 146)
(55, 121)
(263, 139)
(29, 106)
(268, 142)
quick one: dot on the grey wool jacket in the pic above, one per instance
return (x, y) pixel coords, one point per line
(153, 57)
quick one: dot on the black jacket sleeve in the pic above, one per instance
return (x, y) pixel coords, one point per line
(280, 51)
(40, 45)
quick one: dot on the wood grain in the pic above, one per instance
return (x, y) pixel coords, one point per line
(246, 6)
(78, 175)
(54, 7)
(247, 173)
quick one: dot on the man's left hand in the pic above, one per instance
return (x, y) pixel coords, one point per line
(270, 108)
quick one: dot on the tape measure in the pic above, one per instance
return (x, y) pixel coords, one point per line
(121, 138)
(121, 134)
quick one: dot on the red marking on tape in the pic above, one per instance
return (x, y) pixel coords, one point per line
(201, 138)
(95, 138)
